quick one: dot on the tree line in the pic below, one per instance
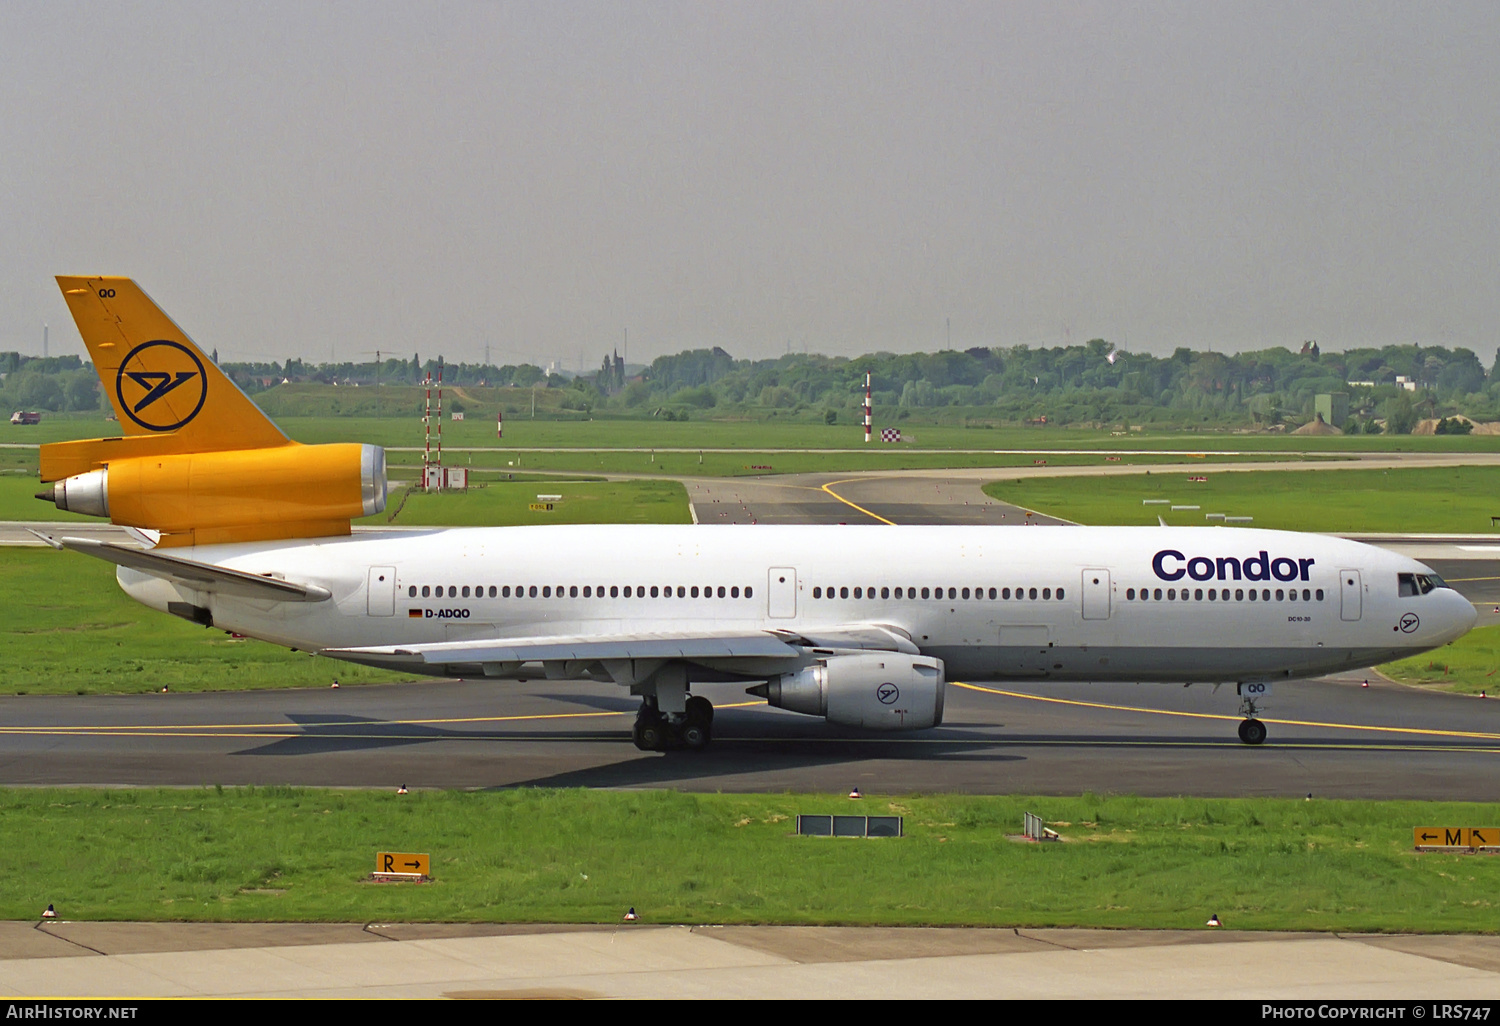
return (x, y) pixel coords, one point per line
(1389, 387)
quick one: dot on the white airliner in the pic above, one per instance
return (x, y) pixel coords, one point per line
(861, 625)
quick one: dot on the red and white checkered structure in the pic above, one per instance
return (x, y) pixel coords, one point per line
(890, 434)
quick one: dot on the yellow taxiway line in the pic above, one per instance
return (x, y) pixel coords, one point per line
(1424, 731)
(191, 729)
(829, 489)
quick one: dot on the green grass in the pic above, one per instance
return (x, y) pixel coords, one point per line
(69, 629)
(584, 856)
(752, 435)
(1435, 500)
(509, 502)
(752, 463)
(1467, 666)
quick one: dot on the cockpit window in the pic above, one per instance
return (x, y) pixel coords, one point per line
(1411, 585)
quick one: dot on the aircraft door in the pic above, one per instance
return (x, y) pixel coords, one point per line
(381, 592)
(1351, 594)
(782, 591)
(1096, 594)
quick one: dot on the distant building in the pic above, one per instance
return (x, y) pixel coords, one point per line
(1332, 407)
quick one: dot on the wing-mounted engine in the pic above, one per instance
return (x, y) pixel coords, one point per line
(874, 690)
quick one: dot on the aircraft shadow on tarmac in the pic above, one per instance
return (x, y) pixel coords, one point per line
(749, 741)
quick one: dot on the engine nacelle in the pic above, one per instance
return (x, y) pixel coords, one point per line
(874, 690)
(208, 492)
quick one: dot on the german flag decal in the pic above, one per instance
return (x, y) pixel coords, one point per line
(414, 614)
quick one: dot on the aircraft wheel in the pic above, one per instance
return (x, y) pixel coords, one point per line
(695, 736)
(1252, 732)
(700, 710)
(650, 734)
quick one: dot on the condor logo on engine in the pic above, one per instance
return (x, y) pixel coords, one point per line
(1168, 564)
(887, 693)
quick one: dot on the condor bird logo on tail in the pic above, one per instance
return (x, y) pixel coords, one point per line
(140, 390)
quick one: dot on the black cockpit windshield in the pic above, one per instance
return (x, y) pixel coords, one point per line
(1417, 584)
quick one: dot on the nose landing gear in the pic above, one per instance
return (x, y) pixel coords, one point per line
(1252, 696)
(656, 731)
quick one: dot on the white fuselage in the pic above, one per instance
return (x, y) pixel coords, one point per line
(994, 603)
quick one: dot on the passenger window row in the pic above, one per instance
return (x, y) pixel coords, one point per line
(1222, 595)
(573, 591)
(936, 593)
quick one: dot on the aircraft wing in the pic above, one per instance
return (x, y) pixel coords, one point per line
(198, 576)
(752, 645)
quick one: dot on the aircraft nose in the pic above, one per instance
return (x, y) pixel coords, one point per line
(1460, 616)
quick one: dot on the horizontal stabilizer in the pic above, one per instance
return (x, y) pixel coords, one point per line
(594, 647)
(198, 576)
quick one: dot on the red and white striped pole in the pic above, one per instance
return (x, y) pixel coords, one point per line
(427, 435)
(442, 477)
(499, 424)
(867, 407)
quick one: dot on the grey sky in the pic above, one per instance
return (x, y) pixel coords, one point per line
(308, 179)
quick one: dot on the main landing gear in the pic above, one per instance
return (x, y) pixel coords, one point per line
(1252, 731)
(656, 731)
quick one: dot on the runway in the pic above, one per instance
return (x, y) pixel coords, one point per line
(1332, 738)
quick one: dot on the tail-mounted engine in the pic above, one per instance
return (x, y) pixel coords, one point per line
(235, 495)
(874, 690)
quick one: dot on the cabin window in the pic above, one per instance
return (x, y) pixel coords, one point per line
(749, 592)
(426, 591)
(859, 593)
(898, 592)
(817, 593)
(1317, 595)
(965, 593)
(1047, 593)
(885, 593)
(1059, 594)
(1130, 594)
(466, 591)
